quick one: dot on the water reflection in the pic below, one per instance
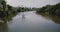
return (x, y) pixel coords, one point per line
(23, 16)
(30, 22)
(3, 27)
(55, 19)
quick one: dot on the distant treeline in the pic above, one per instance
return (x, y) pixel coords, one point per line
(50, 10)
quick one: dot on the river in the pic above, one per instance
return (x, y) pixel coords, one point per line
(30, 22)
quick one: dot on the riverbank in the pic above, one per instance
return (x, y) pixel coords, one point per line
(56, 19)
(51, 11)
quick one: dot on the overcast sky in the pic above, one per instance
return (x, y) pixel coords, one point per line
(31, 3)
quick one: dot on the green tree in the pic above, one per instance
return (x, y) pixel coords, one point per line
(4, 5)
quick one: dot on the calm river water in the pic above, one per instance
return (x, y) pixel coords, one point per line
(30, 22)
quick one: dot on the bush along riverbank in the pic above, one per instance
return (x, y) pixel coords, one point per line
(50, 10)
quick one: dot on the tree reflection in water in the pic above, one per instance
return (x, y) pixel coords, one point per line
(3, 27)
(23, 16)
(55, 19)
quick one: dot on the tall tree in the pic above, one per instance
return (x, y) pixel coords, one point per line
(4, 5)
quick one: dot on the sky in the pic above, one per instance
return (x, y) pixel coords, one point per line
(31, 3)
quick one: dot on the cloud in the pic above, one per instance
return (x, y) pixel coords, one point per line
(31, 3)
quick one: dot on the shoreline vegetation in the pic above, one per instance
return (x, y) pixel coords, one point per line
(50, 10)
